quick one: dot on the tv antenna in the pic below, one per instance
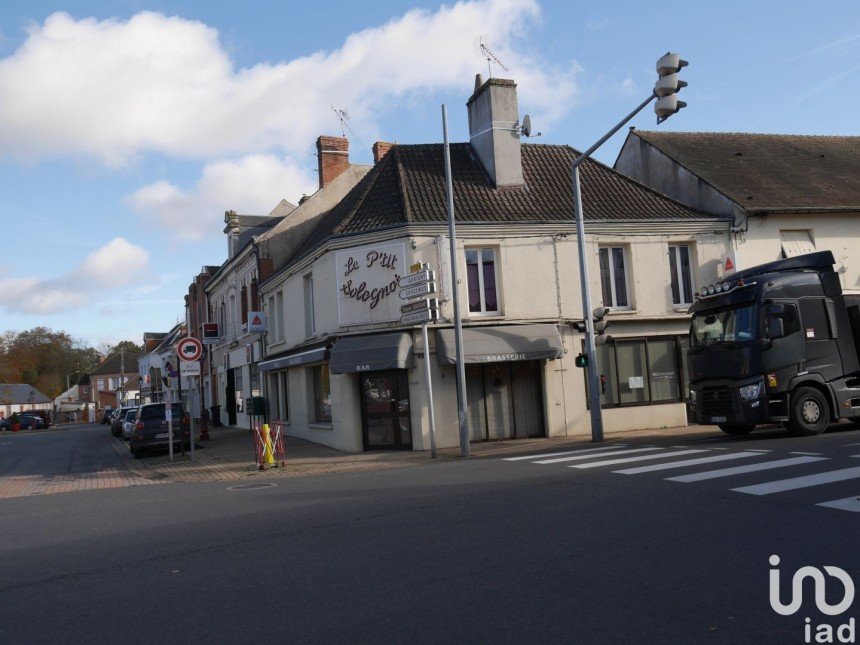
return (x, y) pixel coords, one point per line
(487, 53)
(344, 118)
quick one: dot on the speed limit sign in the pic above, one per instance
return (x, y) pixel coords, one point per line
(189, 349)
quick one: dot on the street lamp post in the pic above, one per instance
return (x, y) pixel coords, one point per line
(666, 88)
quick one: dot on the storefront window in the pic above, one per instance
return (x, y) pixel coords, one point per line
(640, 371)
(663, 362)
(322, 394)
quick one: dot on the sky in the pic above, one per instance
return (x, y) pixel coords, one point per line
(128, 128)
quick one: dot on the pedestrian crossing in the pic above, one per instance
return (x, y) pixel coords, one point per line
(702, 464)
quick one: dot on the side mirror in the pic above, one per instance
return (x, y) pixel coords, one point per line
(775, 327)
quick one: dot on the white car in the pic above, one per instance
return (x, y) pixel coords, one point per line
(128, 423)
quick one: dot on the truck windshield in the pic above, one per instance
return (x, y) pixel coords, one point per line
(729, 325)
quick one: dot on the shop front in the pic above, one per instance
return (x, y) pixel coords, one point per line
(504, 377)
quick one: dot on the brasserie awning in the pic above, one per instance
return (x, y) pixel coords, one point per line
(371, 352)
(299, 356)
(494, 344)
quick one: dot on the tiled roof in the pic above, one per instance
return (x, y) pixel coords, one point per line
(113, 363)
(408, 186)
(769, 171)
(17, 393)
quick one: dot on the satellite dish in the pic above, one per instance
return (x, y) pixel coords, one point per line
(526, 128)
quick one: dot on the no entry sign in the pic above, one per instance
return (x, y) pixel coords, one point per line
(189, 349)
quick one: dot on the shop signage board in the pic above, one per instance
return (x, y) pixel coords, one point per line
(419, 305)
(256, 322)
(368, 281)
(211, 334)
(423, 317)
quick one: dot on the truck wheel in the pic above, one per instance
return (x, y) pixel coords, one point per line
(810, 414)
(737, 429)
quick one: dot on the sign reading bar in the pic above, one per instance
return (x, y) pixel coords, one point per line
(424, 316)
(417, 278)
(417, 291)
(419, 305)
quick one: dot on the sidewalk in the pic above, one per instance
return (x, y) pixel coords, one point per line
(229, 455)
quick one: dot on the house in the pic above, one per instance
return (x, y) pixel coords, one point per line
(197, 312)
(340, 369)
(19, 397)
(786, 194)
(108, 380)
(158, 364)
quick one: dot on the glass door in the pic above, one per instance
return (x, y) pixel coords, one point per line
(385, 414)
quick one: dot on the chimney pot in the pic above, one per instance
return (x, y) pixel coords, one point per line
(493, 131)
(380, 149)
(332, 158)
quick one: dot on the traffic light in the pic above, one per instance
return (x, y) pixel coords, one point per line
(598, 315)
(581, 360)
(668, 85)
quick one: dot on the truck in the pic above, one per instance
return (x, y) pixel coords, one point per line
(776, 343)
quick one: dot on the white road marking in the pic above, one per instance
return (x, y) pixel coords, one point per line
(847, 504)
(740, 470)
(806, 481)
(757, 450)
(629, 451)
(805, 453)
(566, 452)
(624, 460)
(687, 462)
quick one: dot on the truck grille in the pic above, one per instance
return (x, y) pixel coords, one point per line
(717, 400)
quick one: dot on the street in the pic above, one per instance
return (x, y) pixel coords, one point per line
(611, 545)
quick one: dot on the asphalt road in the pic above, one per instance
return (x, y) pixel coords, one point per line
(58, 450)
(483, 550)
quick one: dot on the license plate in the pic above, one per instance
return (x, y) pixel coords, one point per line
(162, 435)
(718, 419)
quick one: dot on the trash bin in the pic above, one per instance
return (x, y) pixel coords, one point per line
(215, 411)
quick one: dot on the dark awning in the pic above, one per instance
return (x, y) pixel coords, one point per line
(299, 356)
(502, 343)
(371, 352)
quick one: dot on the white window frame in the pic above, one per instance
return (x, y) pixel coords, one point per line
(612, 286)
(675, 248)
(279, 315)
(484, 311)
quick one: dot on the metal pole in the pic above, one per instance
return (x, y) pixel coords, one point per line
(590, 351)
(429, 392)
(455, 287)
(179, 400)
(168, 412)
(592, 379)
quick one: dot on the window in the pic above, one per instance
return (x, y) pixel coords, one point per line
(482, 281)
(279, 315)
(244, 305)
(322, 394)
(273, 328)
(680, 273)
(796, 243)
(279, 407)
(100, 384)
(613, 277)
(310, 327)
(640, 371)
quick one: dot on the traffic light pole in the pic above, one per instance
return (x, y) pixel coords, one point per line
(592, 378)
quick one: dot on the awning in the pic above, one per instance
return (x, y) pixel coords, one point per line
(371, 352)
(796, 243)
(502, 343)
(299, 356)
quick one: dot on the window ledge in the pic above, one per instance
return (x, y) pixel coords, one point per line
(477, 316)
(318, 425)
(681, 309)
(622, 312)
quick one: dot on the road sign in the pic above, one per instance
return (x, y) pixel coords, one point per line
(423, 316)
(189, 368)
(417, 278)
(419, 305)
(418, 291)
(189, 349)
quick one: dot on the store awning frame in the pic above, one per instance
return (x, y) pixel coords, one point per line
(306, 355)
(372, 353)
(501, 343)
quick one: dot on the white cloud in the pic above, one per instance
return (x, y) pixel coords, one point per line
(251, 185)
(118, 263)
(113, 89)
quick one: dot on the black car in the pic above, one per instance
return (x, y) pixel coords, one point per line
(27, 420)
(108, 415)
(151, 429)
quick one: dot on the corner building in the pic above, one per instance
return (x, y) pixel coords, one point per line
(339, 368)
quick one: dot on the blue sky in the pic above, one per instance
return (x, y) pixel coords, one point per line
(127, 128)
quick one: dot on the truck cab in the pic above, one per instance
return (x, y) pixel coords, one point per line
(775, 343)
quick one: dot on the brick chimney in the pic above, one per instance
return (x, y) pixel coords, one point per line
(333, 158)
(380, 149)
(493, 135)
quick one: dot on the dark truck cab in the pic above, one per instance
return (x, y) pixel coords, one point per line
(775, 343)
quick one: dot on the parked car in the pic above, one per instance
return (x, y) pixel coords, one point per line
(151, 429)
(44, 415)
(128, 423)
(107, 415)
(117, 420)
(28, 421)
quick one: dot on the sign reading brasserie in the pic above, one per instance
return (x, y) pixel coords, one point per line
(367, 283)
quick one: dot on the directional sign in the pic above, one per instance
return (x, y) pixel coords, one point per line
(417, 278)
(427, 315)
(189, 349)
(418, 291)
(419, 305)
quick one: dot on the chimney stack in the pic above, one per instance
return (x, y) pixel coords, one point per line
(332, 157)
(380, 149)
(493, 130)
